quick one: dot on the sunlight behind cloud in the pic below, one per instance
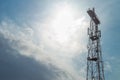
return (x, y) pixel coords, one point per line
(56, 41)
(63, 30)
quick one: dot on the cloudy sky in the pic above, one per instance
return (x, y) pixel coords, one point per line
(46, 39)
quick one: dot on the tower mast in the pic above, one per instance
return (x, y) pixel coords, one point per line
(95, 67)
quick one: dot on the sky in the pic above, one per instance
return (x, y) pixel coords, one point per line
(47, 39)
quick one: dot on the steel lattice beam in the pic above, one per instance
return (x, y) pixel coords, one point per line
(95, 69)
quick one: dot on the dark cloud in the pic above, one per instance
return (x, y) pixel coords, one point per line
(14, 66)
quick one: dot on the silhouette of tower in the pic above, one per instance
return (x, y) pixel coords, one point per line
(95, 69)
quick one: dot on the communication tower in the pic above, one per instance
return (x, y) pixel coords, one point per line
(95, 66)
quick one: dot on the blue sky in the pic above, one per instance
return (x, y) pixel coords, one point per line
(46, 39)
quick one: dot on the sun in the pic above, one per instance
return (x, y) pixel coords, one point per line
(61, 23)
(62, 29)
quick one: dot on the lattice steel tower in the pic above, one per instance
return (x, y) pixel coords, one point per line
(95, 69)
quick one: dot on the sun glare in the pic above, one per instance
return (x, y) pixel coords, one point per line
(62, 23)
(62, 28)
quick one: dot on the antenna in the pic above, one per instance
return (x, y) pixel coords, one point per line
(95, 68)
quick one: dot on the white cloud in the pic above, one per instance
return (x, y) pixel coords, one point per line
(56, 41)
(108, 67)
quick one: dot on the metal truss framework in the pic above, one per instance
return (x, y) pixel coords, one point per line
(95, 68)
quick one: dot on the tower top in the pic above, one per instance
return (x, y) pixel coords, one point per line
(93, 16)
